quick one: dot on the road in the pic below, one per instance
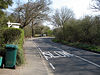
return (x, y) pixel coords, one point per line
(65, 60)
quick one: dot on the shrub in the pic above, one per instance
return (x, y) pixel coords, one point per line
(20, 53)
(86, 30)
(1, 36)
(15, 36)
(11, 35)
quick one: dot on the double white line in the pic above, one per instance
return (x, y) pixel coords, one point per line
(44, 56)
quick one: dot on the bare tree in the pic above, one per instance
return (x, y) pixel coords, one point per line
(61, 16)
(33, 12)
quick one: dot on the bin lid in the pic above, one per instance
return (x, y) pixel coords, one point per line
(8, 46)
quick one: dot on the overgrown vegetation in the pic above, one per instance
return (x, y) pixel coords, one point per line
(85, 46)
(16, 37)
(19, 42)
(11, 35)
(85, 31)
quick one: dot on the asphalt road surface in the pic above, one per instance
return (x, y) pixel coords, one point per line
(65, 60)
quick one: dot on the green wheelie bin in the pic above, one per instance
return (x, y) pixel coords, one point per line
(1, 60)
(10, 58)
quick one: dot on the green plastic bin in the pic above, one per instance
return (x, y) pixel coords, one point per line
(0, 61)
(10, 58)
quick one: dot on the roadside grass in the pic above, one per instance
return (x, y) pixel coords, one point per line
(84, 46)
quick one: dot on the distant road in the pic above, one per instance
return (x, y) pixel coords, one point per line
(65, 60)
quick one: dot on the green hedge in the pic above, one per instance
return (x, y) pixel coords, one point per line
(1, 36)
(2, 45)
(11, 35)
(20, 54)
(14, 36)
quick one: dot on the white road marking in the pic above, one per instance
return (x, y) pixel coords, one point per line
(51, 54)
(52, 66)
(66, 53)
(42, 53)
(59, 55)
(82, 59)
(87, 61)
(48, 71)
(37, 48)
(45, 56)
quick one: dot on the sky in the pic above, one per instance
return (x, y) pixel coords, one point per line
(79, 7)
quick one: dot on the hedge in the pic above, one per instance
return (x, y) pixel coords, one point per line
(20, 54)
(15, 36)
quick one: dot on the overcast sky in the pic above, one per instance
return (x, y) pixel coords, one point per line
(79, 7)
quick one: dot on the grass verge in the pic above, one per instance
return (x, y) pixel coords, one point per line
(88, 47)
